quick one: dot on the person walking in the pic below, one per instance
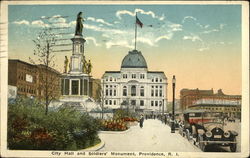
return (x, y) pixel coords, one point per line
(141, 121)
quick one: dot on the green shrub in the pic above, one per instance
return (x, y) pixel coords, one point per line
(62, 129)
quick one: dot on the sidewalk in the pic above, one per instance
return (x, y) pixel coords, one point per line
(154, 136)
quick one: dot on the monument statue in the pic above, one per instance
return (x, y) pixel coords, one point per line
(79, 25)
(89, 67)
(84, 64)
(66, 63)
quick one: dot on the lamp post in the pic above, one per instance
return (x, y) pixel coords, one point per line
(173, 123)
(162, 118)
(102, 99)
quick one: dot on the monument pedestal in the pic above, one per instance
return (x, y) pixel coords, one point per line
(76, 86)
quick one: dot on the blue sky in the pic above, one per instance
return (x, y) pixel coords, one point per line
(190, 22)
(185, 40)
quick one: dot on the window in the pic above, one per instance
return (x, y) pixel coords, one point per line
(152, 92)
(141, 102)
(114, 102)
(114, 92)
(110, 92)
(125, 76)
(152, 80)
(156, 92)
(107, 92)
(160, 86)
(133, 102)
(110, 102)
(160, 80)
(156, 103)
(106, 102)
(133, 75)
(152, 103)
(107, 79)
(160, 91)
(142, 76)
(124, 91)
(133, 90)
(142, 91)
(156, 80)
(110, 79)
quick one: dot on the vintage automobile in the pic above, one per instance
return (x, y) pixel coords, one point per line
(206, 128)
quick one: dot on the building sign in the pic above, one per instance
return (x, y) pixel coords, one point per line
(217, 102)
(12, 91)
(29, 78)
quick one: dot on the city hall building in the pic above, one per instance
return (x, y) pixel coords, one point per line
(134, 87)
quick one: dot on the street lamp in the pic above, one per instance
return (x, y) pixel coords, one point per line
(102, 98)
(173, 124)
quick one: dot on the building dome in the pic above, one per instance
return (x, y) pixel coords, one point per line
(134, 59)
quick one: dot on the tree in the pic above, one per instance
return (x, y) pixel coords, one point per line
(48, 77)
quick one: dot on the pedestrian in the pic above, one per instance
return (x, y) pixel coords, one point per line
(141, 121)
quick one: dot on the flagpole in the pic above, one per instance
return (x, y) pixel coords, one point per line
(135, 30)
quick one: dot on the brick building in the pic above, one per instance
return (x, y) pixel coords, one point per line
(53, 81)
(29, 79)
(23, 76)
(190, 97)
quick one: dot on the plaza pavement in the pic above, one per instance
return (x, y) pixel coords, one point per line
(154, 136)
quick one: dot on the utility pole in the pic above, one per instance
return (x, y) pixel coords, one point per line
(46, 80)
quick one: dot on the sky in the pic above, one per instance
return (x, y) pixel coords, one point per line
(199, 44)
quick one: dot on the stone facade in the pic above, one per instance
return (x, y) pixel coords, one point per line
(135, 87)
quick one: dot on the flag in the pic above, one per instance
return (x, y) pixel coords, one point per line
(138, 22)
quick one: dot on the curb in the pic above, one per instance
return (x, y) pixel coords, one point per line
(96, 147)
(114, 132)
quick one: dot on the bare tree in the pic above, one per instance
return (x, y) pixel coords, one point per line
(48, 80)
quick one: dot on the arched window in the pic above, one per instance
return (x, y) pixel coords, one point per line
(133, 90)
(124, 91)
(142, 91)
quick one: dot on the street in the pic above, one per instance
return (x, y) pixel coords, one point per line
(154, 136)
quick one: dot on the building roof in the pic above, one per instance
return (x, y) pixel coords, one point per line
(134, 59)
(154, 74)
(196, 92)
(112, 71)
(20, 61)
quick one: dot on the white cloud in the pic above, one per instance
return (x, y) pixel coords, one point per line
(146, 41)
(103, 29)
(39, 23)
(203, 49)
(22, 22)
(99, 21)
(168, 37)
(192, 37)
(188, 17)
(175, 27)
(222, 26)
(93, 40)
(152, 14)
(110, 44)
(209, 31)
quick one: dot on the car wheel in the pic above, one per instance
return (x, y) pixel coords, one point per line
(202, 145)
(233, 146)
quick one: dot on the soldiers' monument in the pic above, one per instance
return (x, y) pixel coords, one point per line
(76, 82)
